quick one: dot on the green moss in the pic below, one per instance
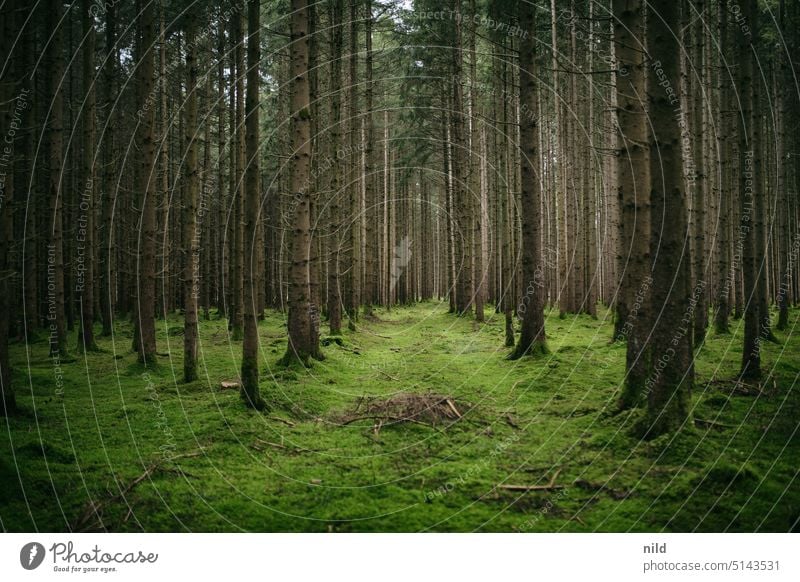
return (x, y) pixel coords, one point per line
(296, 469)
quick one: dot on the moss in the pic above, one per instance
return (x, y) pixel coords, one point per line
(725, 475)
(529, 418)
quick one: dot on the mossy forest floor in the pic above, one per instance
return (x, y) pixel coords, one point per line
(122, 448)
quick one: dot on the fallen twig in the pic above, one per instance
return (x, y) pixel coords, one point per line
(551, 486)
(283, 420)
(95, 508)
(711, 423)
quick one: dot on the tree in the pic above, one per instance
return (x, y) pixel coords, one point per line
(532, 338)
(86, 252)
(55, 249)
(8, 403)
(334, 292)
(751, 349)
(110, 177)
(723, 270)
(671, 371)
(189, 243)
(252, 209)
(633, 184)
(237, 183)
(461, 194)
(300, 325)
(145, 186)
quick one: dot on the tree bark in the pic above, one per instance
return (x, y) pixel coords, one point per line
(191, 251)
(751, 349)
(633, 184)
(671, 372)
(532, 333)
(85, 231)
(301, 339)
(250, 392)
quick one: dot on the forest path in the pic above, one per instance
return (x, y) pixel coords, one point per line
(297, 468)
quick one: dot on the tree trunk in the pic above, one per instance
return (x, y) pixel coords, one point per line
(191, 251)
(461, 195)
(250, 392)
(301, 339)
(8, 108)
(671, 371)
(633, 184)
(146, 272)
(751, 350)
(85, 230)
(237, 192)
(724, 273)
(55, 250)
(532, 333)
(335, 239)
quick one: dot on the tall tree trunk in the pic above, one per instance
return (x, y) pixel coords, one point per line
(191, 251)
(370, 194)
(8, 104)
(250, 392)
(700, 191)
(532, 333)
(461, 195)
(146, 182)
(353, 259)
(724, 274)
(55, 251)
(475, 190)
(751, 350)
(334, 293)
(301, 339)
(85, 231)
(237, 252)
(671, 371)
(783, 79)
(223, 180)
(31, 246)
(110, 178)
(633, 185)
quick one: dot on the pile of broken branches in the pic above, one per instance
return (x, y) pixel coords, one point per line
(425, 409)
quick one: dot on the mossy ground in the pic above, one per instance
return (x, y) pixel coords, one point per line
(734, 469)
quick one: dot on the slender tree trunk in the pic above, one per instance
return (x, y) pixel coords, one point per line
(461, 195)
(724, 273)
(532, 333)
(783, 77)
(353, 259)
(751, 350)
(55, 251)
(85, 230)
(700, 191)
(370, 282)
(8, 104)
(222, 248)
(250, 392)
(191, 252)
(301, 345)
(237, 253)
(475, 190)
(110, 178)
(334, 292)
(633, 185)
(145, 334)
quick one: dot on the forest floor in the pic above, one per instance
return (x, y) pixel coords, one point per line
(121, 448)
